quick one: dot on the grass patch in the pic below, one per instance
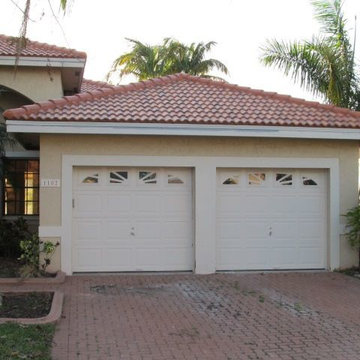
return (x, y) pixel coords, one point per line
(26, 341)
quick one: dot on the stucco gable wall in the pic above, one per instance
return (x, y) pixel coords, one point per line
(52, 147)
(37, 84)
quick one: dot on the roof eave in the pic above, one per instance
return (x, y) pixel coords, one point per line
(33, 61)
(118, 128)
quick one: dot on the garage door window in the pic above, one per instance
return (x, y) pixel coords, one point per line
(92, 179)
(118, 177)
(172, 179)
(308, 181)
(147, 177)
(256, 178)
(232, 180)
(284, 179)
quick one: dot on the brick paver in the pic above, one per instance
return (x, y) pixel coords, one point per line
(223, 316)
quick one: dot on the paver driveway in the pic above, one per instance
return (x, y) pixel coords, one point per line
(222, 316)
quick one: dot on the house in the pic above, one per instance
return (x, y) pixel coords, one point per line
(43, 71)
(188, 174)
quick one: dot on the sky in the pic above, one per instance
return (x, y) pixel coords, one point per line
(240, 28)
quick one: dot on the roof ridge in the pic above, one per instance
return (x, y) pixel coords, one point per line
(69, 51)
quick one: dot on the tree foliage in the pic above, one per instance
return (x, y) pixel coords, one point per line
(170, 57)
(324, 65)
(353, 228)
(21, 39)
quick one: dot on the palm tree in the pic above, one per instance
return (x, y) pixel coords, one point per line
(148, 61)
(144, 61)
(325, 65)
(190, 59)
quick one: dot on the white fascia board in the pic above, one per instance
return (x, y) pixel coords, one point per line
(113, 128)
(23, 154)
(43, 62)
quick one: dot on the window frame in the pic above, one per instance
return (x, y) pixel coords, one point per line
(23, 200)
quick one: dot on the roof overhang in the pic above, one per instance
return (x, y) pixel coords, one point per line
(43, 61)
(72, 69)
(117, 128)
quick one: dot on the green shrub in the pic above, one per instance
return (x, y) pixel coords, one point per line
(353, 228)
(36, 255)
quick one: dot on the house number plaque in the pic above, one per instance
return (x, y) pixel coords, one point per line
(49, 183)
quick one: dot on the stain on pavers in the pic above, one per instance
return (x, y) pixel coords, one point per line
(113, 289)
(214, 317)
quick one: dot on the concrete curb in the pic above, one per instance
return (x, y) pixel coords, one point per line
(58, 279)
(53, 316)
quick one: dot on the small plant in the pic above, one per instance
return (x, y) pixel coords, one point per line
(353, 229)
(36, 255)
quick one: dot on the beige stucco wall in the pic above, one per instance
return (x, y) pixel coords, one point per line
(52, 147)
(37, 84)
(10, 100)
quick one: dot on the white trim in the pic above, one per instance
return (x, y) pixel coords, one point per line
(22, 154)
(112, 128)
(43, 61)
(50, 231)
(205, 212)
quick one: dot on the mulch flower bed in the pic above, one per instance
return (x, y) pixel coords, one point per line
(9, 268)
(25, 305)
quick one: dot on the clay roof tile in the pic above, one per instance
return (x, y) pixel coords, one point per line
(182, 98)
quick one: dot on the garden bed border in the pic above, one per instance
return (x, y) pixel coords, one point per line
(58, 279)
(54, 313)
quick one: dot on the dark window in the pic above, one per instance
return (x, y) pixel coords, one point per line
(21, 187)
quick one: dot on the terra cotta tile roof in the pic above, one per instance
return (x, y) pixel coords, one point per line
(185, 99)
(37, 49)
(89, 85)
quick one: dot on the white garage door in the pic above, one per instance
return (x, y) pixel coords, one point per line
(130, 219)
(271, 219)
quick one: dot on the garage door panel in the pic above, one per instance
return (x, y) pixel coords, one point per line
(87, 230)
(264, 224)
(228, 259)
(284, 204)
(284, 257)
(88, 257)
(283, 230)
(174, 259)
(148, 229)
(310, 256)
(257, 257)
(310, 205)
(147, 204)
(117, 257)
(230, 204)
(88, 204)
(116, 229)
(173, 203)
(257, 204)
(137, 225)
(118, 204)
(172, 229)
(311, 230)
(246, 229)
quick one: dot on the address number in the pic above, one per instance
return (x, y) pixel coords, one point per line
(50, 183)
